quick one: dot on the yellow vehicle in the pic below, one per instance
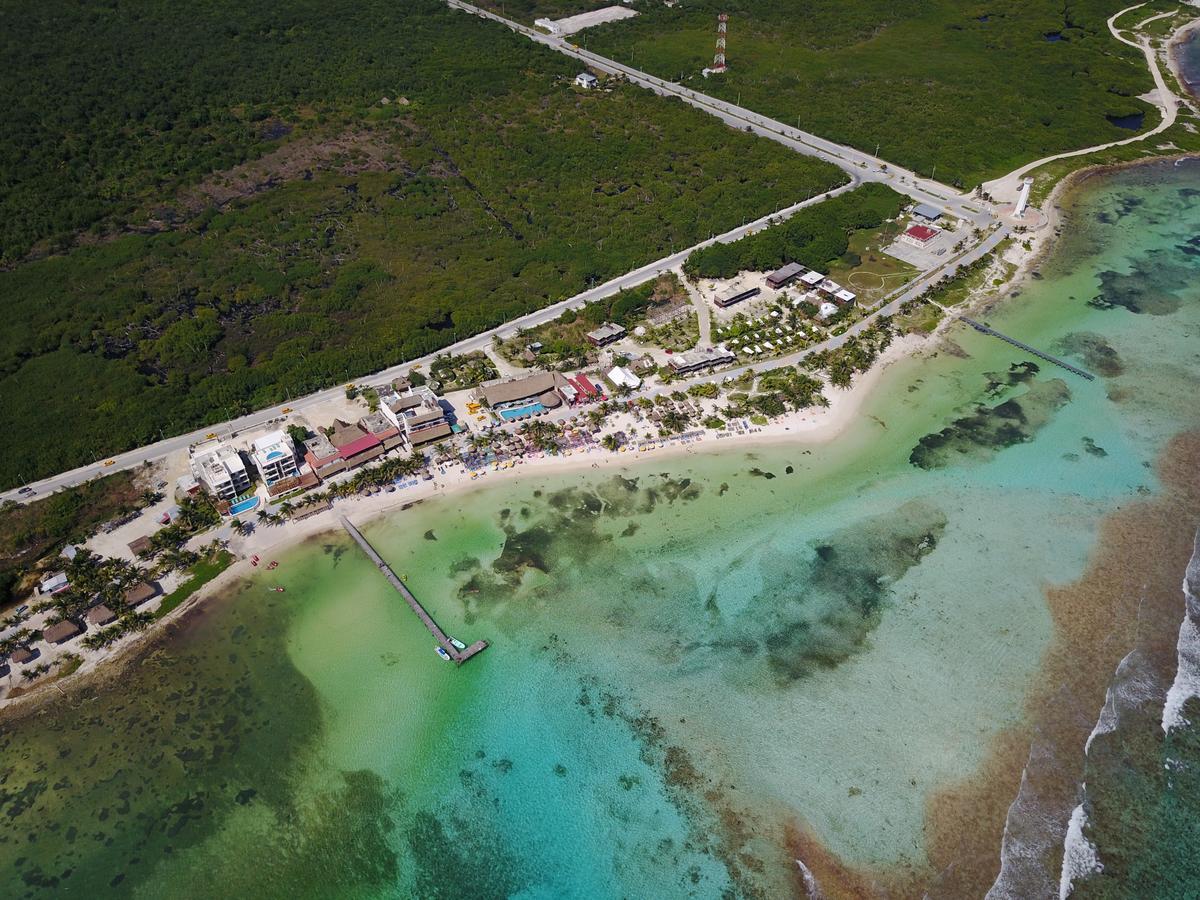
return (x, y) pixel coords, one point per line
(110, 462)
(286, 410)
(210, 435)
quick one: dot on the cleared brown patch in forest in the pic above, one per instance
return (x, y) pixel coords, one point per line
(352, 152)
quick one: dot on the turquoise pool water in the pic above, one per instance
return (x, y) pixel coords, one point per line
(243, 506)
(531, 409)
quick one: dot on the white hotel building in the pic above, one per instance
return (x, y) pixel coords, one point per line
(220, 469)
(275, 457)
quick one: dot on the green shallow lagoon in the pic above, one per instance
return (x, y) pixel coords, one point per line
(686, 657)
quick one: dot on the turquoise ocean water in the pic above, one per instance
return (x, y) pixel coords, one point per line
(692, 661)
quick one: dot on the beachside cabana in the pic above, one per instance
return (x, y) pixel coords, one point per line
(100, 615)
(61, 631)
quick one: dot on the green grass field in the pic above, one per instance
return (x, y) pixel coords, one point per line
(867, 270)
(221, 272)
(201, 574)
(971, 90)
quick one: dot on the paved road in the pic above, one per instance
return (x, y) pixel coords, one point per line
(858, 165)
(863, 165)
(164, 448)
(1006, 188)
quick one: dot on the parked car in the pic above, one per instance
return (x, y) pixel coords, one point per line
(26, 490)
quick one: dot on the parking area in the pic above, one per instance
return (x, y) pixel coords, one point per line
(925, 257)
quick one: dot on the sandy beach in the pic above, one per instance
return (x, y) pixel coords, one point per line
(812, 426)
(820, 425)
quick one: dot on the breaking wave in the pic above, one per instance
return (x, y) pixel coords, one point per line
(810, 881)
(1132, 686)
(1187, 675)
(1079, 854)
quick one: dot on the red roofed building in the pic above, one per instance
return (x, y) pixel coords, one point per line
(360, 446)
(919, 235)
(584, 382)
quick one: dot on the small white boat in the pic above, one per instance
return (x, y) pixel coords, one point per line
(457, 644)
(441, 651)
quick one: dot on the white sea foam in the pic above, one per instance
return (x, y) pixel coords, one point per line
(1187, 673)
(1021, 852)
(810, 881)
(1079, 854)
(1108, 713)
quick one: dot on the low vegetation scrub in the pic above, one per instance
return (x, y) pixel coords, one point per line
(394, 203)
(813, 236)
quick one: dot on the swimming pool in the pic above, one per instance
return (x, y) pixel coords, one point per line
(528, 409)
(243, 506)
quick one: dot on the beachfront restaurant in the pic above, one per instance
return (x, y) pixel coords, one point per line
(528, 396)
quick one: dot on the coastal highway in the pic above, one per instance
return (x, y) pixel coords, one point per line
(170, 445)
(855, 162)
(909, 292)
(860, 167)
(179, 443)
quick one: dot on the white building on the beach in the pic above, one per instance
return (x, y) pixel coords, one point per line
(221, 469)
(275, 457)
(622, 377)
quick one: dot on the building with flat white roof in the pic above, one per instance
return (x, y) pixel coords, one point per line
(54, 583)
(622, 377)
(220, 468)
(275, 457)
(812, 279)
(586, 80)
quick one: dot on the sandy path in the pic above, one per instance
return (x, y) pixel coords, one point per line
(1005, 188)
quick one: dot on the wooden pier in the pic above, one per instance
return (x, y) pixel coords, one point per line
(459, 656)
(979, 326)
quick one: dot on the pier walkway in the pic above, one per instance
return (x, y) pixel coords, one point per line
(979, 326)
(459, 656)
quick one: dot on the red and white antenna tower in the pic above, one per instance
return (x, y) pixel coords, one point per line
(719, 60)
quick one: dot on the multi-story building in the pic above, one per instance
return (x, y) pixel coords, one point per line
(418, 415)
(275, 456)
(221, 469)
(695, 360)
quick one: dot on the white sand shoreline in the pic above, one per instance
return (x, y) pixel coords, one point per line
(809, 427)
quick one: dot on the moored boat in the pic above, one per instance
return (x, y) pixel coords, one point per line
(457, 644)
(441, 651)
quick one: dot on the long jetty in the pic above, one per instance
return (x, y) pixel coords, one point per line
(979, 326)
(459, 656)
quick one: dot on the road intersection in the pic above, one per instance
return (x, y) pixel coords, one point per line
(860, 167)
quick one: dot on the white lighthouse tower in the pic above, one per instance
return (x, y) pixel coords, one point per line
(1023, 198)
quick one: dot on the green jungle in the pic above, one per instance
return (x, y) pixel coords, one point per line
(208, 209)
(963, 91)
